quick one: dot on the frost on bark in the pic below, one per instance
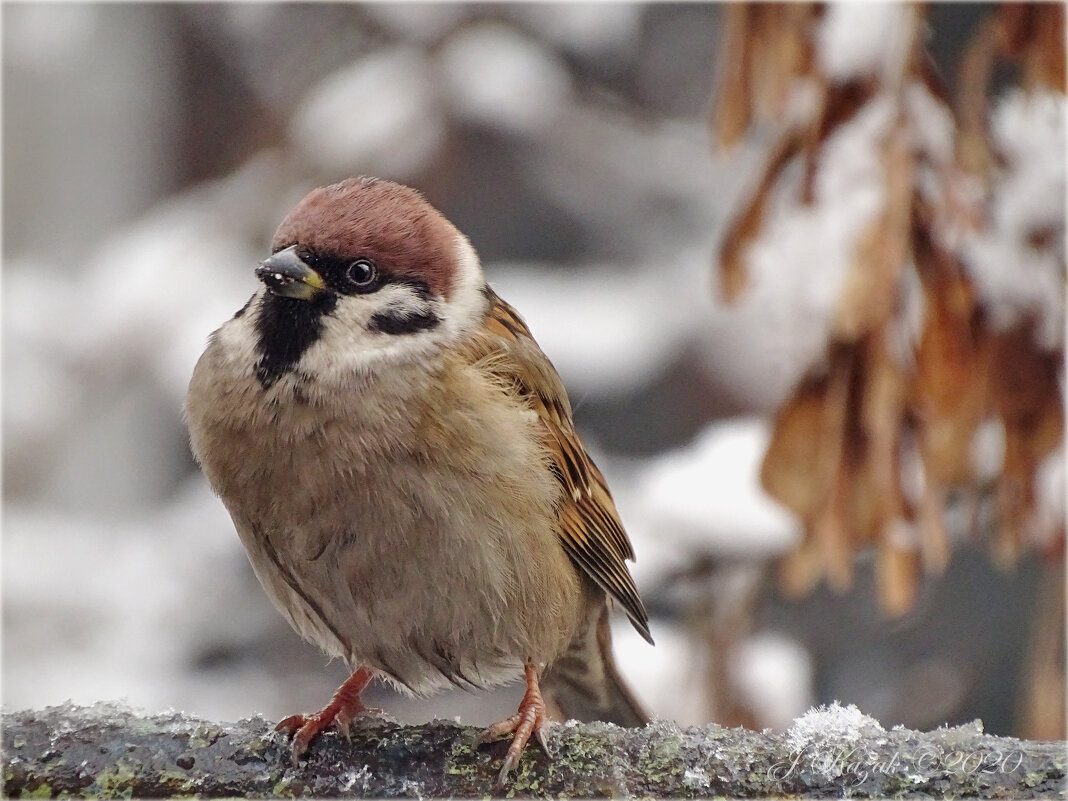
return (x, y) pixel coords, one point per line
(109, 750)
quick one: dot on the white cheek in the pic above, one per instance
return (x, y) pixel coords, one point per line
(237, 340)
(467, 306)
(349, 348)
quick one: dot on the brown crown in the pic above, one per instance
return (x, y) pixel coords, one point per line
(391, 224)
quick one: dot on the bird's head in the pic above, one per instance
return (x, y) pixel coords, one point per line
(363, 274)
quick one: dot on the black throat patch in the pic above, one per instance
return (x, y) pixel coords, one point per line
(285, 329)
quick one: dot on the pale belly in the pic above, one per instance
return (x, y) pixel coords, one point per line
(429, 574)
(422, 545)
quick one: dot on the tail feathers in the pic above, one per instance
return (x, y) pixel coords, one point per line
(585, 685)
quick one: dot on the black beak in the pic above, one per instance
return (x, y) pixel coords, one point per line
(286, 274)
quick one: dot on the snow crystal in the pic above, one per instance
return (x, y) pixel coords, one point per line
(696, 778)
(831, 722)
(348, 779)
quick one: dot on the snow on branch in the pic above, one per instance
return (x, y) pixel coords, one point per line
(110, 750)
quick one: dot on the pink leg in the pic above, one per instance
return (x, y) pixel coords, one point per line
(531, 718)
(343, 707)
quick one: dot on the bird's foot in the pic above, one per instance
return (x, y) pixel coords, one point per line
(531, 719)
(339, 713)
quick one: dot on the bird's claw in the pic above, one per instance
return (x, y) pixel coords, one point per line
(339, 713)
(531, 719)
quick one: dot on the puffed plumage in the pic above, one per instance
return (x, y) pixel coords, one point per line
(399, 460)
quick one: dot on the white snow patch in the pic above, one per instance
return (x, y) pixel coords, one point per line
(666, 678)
(495, 76)
(377, 115)
(100, 609)
(799, 262)
(423, 22)
(774, 673)
(707, 498)
(988, 450)
(859, 39)
(606, 30)
(41, 392)
(931, 122)
(49, 38)
(1015, 278)
(1051, 491)
(170, 278)
(603, 330)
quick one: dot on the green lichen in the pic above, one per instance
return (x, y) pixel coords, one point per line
(526, 780)
(176, 781)
(661, 761)
(116, 781)
(43, 790)
(461, 760)
(203, 736)
(282, 788)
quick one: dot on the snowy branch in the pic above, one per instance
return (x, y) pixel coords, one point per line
(110, 750)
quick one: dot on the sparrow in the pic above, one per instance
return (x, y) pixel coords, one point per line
(400, 462)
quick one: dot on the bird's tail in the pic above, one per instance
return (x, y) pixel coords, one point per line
(584, 683)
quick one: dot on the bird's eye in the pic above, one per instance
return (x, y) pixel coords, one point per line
(362, 274)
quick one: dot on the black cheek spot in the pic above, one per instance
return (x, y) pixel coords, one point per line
(403, 322)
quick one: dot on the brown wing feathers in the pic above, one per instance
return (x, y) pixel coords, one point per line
(590, 530)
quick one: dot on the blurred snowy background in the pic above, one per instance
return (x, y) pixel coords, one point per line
(149, 152)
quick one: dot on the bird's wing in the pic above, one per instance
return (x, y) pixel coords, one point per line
(590, 530)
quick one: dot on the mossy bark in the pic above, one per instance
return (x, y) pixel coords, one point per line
(109, 751)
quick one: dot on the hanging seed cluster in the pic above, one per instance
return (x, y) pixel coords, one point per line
(946, 341)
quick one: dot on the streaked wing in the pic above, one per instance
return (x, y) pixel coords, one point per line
(590, 530)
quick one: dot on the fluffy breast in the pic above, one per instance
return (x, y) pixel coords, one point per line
(407, 523)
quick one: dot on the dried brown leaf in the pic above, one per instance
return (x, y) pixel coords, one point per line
(879, 499)
(805, 468)
(896, 577)
(869, 296)
(949, 394)
(1033, 35)
(800, 570)
(1026, 395)
(733, 111)
(734, 275)
(973, 152)
(805, 450)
